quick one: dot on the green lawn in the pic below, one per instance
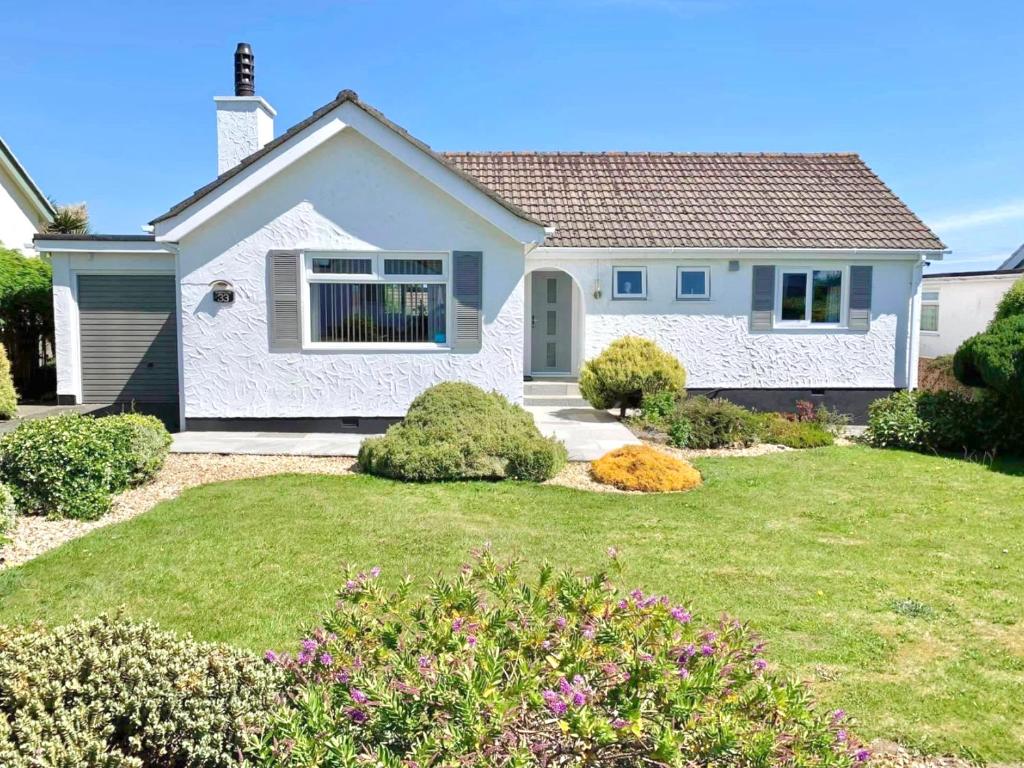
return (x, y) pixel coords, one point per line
(894, 582)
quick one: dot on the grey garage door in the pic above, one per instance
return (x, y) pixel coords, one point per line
(129, 338)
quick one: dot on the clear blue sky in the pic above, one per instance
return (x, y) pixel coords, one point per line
(111, 103)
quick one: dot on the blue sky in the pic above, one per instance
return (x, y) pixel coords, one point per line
(111, 103)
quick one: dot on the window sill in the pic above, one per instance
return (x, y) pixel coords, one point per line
(808, 327)
(930, 333)
(693, 298)
(327, 346)
(629, 298)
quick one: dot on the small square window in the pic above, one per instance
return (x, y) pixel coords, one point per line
(629, 282)
(693, 282)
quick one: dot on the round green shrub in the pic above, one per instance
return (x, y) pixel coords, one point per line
(628, 369)
(8, 510)
(680, 431)
(456, 431)
(893, 422)
(141, 444)
(1012, 303)
(113, 693)
(778, 430)
(716, 423)
(8, 397)
(493, 669)
(63, 466)
(994, 359)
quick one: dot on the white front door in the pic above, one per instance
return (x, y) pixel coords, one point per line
(551, 323)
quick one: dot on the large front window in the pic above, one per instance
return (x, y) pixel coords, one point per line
(377, 298)
(810, 297)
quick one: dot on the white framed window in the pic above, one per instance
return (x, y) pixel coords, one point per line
(629, 282)
(811, 297)
(693, 283)
(930, 311)
(357, 299)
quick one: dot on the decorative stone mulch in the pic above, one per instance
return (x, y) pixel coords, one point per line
(34, 535)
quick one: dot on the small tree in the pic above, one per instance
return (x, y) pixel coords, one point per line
(8, 396)
(628, 369)
(70, 219)
(26, 320)
(1012, 303)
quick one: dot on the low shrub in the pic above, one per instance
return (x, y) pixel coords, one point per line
(628, 369)
(777, 429)
(68, 466)
(643, 468)
(680, 431)
(114, 693)
(492, 669)
(657, 407)
(893, 422)
(141, 444)
(456, 431)
(936, 375)
(7, 511)
(715, 423)
(1012, 303)
(8, 397)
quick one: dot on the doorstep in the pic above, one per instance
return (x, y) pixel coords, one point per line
(269, 443)
(588, 433)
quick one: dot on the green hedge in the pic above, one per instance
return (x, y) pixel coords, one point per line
(8, 396)
(68, 466)
(118, 694)
(713, 423)
(7, 511)
(456, 431)
(628, 369)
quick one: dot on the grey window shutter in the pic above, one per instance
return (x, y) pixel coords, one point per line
(467, 290)
(762, 307)
(859, 318)
(283, 301)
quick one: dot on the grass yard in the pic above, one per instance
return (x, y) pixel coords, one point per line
(893, 581)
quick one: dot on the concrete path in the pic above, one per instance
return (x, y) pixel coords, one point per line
(588, 434)
(269, 443)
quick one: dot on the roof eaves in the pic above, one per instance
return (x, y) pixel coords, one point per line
(40, 199)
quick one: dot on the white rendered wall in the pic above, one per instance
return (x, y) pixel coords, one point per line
(966, 305)
(346, 194)
(713, 339)
(66, 268)
(244, 125)
(18, 220)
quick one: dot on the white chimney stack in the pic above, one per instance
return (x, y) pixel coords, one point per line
(245, 122)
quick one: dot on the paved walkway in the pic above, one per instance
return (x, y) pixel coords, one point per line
(588, 434)
(269, 443)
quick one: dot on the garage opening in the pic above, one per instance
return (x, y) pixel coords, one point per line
(129, 347)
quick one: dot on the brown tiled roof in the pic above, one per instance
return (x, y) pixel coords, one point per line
(677, 200)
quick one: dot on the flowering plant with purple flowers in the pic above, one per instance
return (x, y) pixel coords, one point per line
(492, 669)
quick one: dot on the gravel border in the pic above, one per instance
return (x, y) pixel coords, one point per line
(34, 535)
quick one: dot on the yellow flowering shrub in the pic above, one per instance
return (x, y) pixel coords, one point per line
(642, 468)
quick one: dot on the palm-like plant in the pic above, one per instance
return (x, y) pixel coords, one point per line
(70, 219)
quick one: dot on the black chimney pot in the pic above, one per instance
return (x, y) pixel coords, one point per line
(245, 71)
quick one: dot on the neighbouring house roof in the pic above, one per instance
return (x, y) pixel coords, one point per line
(702, 200)
(342, 98)
(1015, 260)
(977, 273)
(44, 208)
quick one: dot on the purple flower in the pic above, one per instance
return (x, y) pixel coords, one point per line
(680, 614)
(471, 640)
(309, 645)
(457, 625)
(623, 605)
(706, 650)
(760, 665)
(560, 622)
(645, 657)
(326, 659)
(861, 755)
(838, 715)
(271, 657)
(684, 673)
(637, 595)
(341, 677)
(304, 658)
(375, 571)
(588, 631)
(564, 686)
(425, 662)
(554, 702)
(579, 699)
(358, 696)
(356, 715)
(618, 723)
(841, 735)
